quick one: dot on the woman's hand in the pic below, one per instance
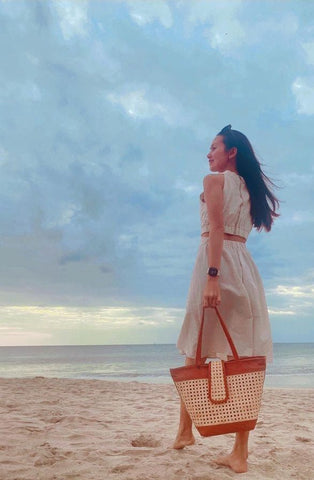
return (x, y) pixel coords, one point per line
(212, 293)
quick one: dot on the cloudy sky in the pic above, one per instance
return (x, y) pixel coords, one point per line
(107, 111)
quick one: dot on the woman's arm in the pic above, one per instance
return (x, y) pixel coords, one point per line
(213, 194)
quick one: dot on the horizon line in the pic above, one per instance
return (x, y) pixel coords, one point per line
(128, 344)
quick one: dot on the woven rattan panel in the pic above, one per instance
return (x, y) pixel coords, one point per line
(245, 393)
(218, 387)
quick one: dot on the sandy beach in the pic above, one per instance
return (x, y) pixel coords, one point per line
(55, 429)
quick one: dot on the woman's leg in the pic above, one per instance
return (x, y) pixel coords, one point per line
(237, 459)
(185, 436)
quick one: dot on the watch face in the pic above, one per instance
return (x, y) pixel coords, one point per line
(212, 272)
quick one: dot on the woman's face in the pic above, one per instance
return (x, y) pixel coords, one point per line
(218, 156)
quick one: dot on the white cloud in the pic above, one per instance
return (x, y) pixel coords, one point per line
(224, 31)
(294, 178)
(281, 311)
(143, 171)
(137, 105)
(143, 12)
(63, 317)
(295, 291)
(298, 217)
(73, 17)
(38, 325)
(295, 301)
(19, 337)
(302, 217)
(63, 216)
(25, 90)
(188, 188)
(303, 89)
(288, 26)
(309, 52)
(32, 58)
(4, 156)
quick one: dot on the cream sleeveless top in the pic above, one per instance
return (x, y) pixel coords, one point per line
(236, 210)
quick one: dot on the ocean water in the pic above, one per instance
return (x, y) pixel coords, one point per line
(293, 364)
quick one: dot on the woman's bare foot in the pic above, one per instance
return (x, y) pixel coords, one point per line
(182, 441)
(237, 463)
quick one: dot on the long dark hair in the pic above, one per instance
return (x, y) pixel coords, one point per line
(263, 202)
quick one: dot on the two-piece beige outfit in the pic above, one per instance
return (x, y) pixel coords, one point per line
(243, 305)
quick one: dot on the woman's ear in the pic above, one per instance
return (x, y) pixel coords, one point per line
(232, 153)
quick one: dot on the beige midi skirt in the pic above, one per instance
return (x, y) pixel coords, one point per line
(243, 307)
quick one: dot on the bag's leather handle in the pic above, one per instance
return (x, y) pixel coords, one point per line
(226, 331)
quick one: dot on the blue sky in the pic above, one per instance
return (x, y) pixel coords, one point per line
(107, 111)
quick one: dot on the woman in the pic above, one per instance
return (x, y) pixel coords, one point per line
(234, 201)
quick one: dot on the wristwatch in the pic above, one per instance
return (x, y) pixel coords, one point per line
(213, 272)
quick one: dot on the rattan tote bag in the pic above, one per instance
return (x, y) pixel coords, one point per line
(221, 396)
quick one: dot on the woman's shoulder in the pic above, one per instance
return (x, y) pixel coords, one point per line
(232, 175)
(216, 179)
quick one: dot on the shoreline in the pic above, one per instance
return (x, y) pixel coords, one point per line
(123, 381)
(87, 429)
(166, 381)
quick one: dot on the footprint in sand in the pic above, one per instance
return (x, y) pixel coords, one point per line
(47, 455)
(303, 439)
(301, 427)
(121, 468)
(145, 441)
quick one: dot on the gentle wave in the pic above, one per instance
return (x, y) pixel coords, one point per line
(293, 364)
